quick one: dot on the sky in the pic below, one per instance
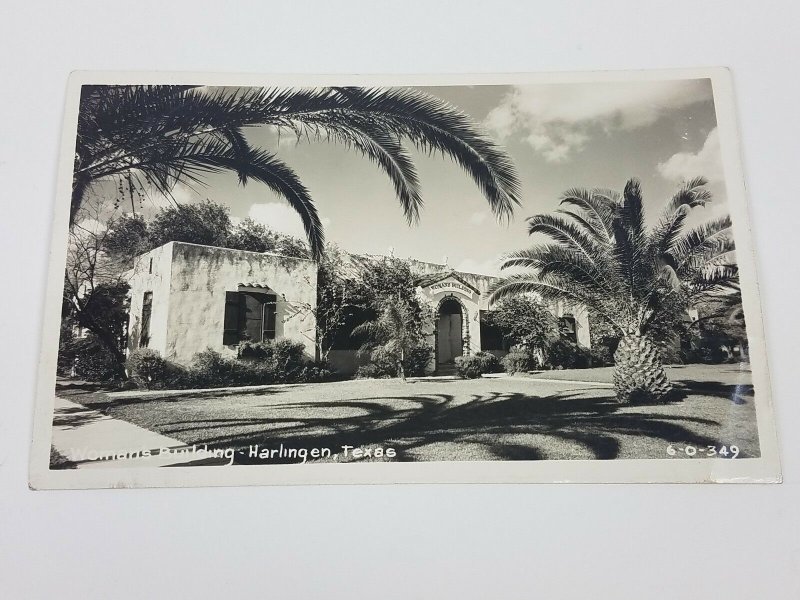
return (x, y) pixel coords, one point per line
(559, 136)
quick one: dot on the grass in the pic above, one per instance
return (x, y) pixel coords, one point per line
(507, 418)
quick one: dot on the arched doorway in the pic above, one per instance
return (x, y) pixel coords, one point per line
(449, 332)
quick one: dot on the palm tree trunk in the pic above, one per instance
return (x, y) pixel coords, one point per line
(401, 373)
(638, 373)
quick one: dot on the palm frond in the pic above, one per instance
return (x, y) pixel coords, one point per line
(715, 278)
(692, 193)
(563, 231)
(550, 288)
(700, 239)
(565, 263)
(275, 174)
(434, 125)
(598, 208)
(123, 129)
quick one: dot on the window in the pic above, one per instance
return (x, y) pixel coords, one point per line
(491, 335)
(249, 316)
(147, 308)
(341, 338)
(568, 329)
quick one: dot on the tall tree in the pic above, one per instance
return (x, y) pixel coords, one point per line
(525, 322)
(255, 237)
(95, 292)
(603, 256)
(206, 223)
(144, 136)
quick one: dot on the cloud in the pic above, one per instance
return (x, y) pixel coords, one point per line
(273, 139)
(478, 218)
(706, 162)
(281, 218)
(558, 120)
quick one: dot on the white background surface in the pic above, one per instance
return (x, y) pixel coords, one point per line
(551, 541)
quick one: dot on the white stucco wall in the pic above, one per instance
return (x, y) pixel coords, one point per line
(141, 280)
(190, 302)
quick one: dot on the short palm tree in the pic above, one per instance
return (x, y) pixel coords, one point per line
(156, 136)
(394, 332)
(602, 256)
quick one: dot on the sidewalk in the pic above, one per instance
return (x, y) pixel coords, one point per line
(93, 440)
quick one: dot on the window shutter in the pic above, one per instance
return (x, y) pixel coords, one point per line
(232, 319)
(147, 309)
(270, 305)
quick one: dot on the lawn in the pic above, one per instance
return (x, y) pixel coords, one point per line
(544, 415)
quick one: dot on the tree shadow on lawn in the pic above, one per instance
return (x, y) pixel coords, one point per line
(738, 393)
(73, 417)
(104, 402)
(501, 423)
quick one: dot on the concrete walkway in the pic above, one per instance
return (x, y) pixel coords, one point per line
(93, 440)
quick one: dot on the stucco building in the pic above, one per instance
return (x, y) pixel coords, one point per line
(186, 298)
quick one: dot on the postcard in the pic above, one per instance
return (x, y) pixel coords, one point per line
(510, 278)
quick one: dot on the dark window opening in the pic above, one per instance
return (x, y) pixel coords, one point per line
(150, 268)
(568, 329)
(342, 338)
(147, 309)
(249, 316)
(450, 307)
(491, 335)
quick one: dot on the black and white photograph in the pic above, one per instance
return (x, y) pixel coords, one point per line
(491, 278)
(431, 300)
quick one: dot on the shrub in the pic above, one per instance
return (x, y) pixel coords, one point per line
(277, 362)
(383, 363)
(289, 357)
(568, 355)
(670, 352)
(417, 360)
(281, 360)
(314, 373)
(66, 349)
(517, 361)
(471, 367)
(210, 369)
(468, 367)
(255, 350)
(149, 370)
(373, 371)
(602, 355)
(93, 362)
(490, 363)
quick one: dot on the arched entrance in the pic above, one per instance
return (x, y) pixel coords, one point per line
(449, 331)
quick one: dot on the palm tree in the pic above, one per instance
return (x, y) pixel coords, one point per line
(143, 136)
(603, 257)
(395, 331)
